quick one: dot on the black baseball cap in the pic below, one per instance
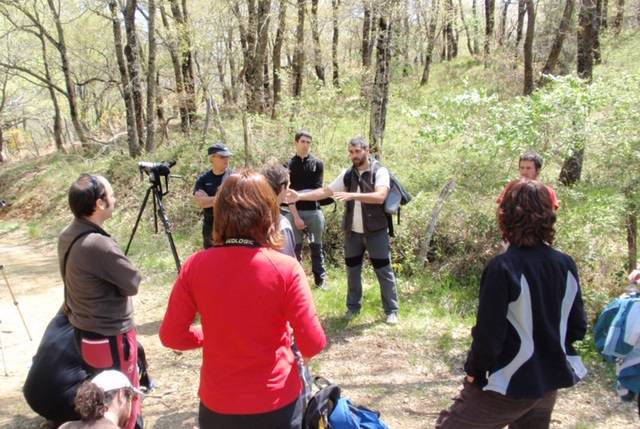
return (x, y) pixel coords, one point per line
(219, 149)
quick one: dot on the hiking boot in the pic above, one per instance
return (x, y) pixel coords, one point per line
(350, 314)
(392, 319)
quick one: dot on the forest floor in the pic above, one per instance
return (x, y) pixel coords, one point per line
(407, 372)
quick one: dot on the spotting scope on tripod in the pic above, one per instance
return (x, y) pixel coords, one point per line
(156, 171)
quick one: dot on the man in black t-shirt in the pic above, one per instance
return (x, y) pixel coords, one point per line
(207, 185)
(306, 172)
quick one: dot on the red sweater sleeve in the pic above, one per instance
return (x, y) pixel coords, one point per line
(177, 331)
(301, 314)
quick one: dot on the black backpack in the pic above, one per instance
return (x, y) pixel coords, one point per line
(321, 405)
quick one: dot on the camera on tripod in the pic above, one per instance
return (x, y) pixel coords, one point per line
(156, 170)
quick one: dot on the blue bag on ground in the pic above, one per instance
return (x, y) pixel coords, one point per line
(346, 415)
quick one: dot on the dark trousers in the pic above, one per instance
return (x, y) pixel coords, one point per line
(476, 408)
(287, 417)
(207, 234)
(379, 249)
(114, 352)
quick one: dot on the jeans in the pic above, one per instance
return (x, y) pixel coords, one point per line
(314, 221)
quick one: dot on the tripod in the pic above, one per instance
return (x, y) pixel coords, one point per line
(15, 302)
(155, 189)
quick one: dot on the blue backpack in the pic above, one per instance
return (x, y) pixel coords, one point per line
(327, 410)
(346, 415)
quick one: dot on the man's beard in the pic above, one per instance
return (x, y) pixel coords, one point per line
(358, 162)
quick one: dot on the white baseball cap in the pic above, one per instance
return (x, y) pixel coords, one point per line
(112, 379)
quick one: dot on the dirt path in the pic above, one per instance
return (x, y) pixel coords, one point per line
(407, 378)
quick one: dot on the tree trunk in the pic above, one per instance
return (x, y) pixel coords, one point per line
(151, 80)
(133, 65)
(257, 40)
(528, 46)
(380, 96)
(335, 4)
(315, 34)
(448, 34)
(298, 57)
(57, 117)
(617, 22)
(632, 234)
(431, 37)
(232, 67)
(160, 107)
(277, 56)
(466, 30)
(503, 21)
(489, 11)
(522, 10)
(366, 34)
(66, 71)
(597, 55)
(181, 16)
(572, 167)
(3, 156)
(132, 130)
(604, 19)
(561, 34)
(585, 39)
(185, 123)
(476, 28)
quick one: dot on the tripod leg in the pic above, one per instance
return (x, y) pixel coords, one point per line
(4, 361)
(135, 227)
(15, 302)
(167, 227)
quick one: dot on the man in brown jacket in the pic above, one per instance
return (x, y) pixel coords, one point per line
(99, 284)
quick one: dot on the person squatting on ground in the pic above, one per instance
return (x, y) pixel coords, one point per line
(529, 166)
(104, 402)
(99, 284)
(249, 296)
(530, 312)
(363, 188)
(278, 178)
(307, 174)
(207, 185)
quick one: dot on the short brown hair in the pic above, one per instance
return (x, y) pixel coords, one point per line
(277, 175)
(246, 207)
(526, 215)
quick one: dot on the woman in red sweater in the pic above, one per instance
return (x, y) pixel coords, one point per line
(248, 296)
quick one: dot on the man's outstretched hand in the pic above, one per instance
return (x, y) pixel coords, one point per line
(291, 197)
(344, 196)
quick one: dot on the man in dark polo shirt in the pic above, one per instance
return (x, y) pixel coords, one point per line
(207, 185)
(306, 174)
(99, 284)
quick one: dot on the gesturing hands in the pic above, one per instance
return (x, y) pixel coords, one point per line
(291, 197)
(344, 196)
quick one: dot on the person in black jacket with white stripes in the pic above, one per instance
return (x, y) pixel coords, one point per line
(530, 313)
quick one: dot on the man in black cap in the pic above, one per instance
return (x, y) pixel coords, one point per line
(207, 185)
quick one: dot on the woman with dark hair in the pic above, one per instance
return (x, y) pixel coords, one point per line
(247, 295)
(530, 312)
(104, 402)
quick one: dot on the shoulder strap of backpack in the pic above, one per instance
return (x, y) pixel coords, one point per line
(66, 308)
(346, 179)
